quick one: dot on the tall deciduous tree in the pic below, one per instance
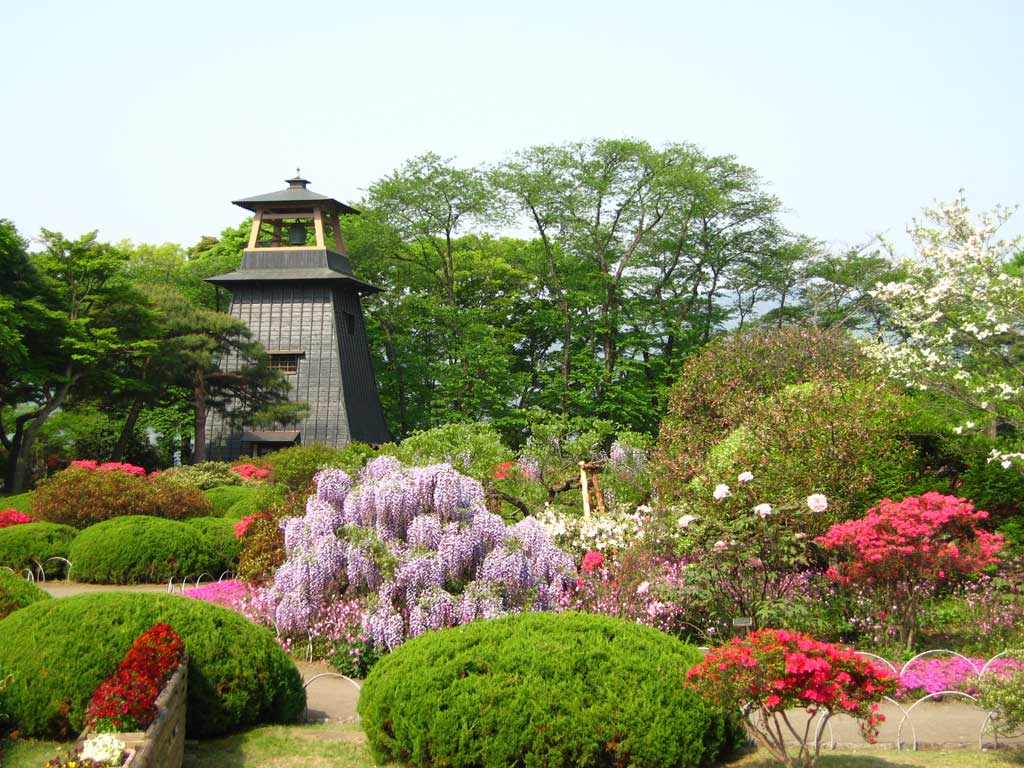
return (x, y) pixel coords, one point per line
(92, 315)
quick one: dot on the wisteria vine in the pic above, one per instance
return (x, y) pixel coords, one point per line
(420, 545)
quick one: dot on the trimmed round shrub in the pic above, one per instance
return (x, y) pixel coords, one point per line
(59, 651)
(16, 592)
(206, 474)
(22, 546)
(224, 497)
(542, 689)
(263, 499)
(139, 549)
(220, 541)
(294, 467)
(82, 497)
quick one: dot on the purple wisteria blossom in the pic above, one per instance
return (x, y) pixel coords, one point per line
(419, 545)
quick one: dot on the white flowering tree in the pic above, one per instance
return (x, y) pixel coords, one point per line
(958, 316)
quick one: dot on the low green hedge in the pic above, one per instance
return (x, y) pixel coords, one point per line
(24, 545)
(21, 502)
(542, 689)
(139, 549)
(58, 651)
(17, 592)
(221, 541)
(223, 497)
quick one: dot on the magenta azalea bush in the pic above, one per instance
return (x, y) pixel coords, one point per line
(934, 674)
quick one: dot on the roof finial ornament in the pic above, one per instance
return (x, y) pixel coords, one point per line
(298, 182)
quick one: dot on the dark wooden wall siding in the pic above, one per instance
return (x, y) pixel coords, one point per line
(294, 317)
(365, 415)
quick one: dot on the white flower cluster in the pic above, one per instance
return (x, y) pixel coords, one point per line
(956, 310)
(103, 748)
(603, 533)
(1006, 460)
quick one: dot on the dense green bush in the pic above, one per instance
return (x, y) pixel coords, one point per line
(60, 650)
(206, 474)
(294, 467)
(22, 546)
(224, 497)
(139, 549)
(843, 439)
(541, 689)
(265, 497)
(718, 385)
(220, 541)
(17, 592)
(81, 497)
(474, 449)
(22, 502)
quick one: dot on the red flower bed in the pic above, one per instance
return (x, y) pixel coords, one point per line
(126, 701)
(251, 471)
(11, 517)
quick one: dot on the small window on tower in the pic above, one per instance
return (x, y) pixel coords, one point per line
(285, 362)
(350, 323)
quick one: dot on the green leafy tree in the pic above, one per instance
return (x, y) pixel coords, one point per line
(95, 319)
(214, 356)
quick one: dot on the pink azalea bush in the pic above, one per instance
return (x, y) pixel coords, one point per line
(774, 670)
(110, 466)
(251, 471)
(9, 517)
(902, 552)
(936, 673)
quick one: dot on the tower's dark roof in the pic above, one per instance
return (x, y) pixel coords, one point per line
(296, 196)
(287, 275)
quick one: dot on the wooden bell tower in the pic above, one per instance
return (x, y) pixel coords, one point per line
(296, 292)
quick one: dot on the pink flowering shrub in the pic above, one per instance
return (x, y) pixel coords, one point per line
(592, 561)
(774, 670)
(641, 586)
(902, 552)
(933, 674)
(110, 466)
(251, 471)
(242, 525)
(11, 517)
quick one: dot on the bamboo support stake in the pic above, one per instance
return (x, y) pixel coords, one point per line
(584, 487)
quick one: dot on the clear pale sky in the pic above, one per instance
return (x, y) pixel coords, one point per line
(144, 120)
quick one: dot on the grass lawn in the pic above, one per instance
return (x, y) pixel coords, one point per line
(320, 746)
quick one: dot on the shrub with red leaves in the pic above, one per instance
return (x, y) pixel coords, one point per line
(126, 701)
(775, 670)
(11, 517)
